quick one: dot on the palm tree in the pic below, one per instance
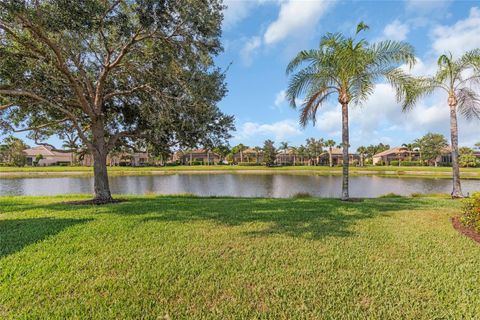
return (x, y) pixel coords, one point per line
(456, 78)
(345, 68)
(301, 152)
(257, 151)
(330, 144)
(362, 151)
(294, 151)
(283, 147)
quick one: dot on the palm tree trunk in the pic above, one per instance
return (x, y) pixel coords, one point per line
(345, 143)
(330, 158)
(457, 188)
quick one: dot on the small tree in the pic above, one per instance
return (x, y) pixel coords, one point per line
(38, 157)
(432, 145)
(12, 152)
(467, 158)
(269, 153)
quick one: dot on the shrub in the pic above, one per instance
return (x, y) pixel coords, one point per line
(302, 195)
(471, 212)
(394, 163)
(410, 163)
(391, 195)
(249, 164)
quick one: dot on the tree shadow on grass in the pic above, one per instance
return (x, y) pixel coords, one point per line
(311, 218)
(15, 234)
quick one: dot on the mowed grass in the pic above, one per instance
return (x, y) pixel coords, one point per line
(231, 258)
(434, 172)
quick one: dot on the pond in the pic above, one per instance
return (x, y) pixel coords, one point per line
(234, 184)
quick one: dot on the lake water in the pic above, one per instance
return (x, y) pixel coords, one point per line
(238, 185)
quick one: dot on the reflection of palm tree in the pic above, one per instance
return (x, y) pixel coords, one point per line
(345, 68)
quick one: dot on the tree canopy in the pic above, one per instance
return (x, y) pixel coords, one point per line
(119, 72)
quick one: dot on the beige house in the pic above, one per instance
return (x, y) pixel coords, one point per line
(47, 156)
(248, 155)
(137, 159)
(196, 155)
(395, 154)
(337, 157)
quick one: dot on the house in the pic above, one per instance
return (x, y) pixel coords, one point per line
(196, 155)
(287, 156)
(248, 155)
(337, 157)
(395, 154)
(47, 156)
(136, 159)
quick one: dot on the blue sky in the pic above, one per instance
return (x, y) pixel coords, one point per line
(260, 37)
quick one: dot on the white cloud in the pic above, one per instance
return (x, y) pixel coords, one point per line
(249, 49)
(277, 131)
(464, 35)
(425, 6)
(236, 11)
(294, 17)
(421, 68)
(396, 31)
(280, 98)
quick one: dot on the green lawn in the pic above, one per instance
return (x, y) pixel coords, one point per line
(226, 258)
(445, 172)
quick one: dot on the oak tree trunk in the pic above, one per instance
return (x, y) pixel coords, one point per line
(101, 186)
(345, 144)
(457, 188)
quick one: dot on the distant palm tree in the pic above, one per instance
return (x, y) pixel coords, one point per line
(457, 79)
(348, 69)
(410, 148)
(301, 153)
(294, 151)
(283, 147)
(330, 144)
(362, 151)
(257, 151)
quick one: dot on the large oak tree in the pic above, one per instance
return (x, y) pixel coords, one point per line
(117, 71)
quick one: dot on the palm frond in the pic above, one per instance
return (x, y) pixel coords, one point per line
(410, 89)
(313, 101)
(468, 103)
(305, 56)
(362, 27)
(396, 52)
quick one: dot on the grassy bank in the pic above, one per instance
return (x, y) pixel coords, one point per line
(438, 172)
(225, 258)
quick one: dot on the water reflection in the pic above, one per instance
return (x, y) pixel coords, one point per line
(241, 185)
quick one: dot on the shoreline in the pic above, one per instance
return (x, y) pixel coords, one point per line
(381, 172)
